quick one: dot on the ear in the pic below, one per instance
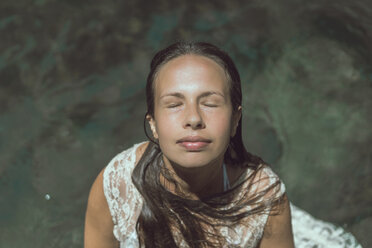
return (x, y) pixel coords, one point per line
(236, 117)
(152, 126)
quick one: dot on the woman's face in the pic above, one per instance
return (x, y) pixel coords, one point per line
(193, 113)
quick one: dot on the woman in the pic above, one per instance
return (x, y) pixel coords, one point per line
(195, 185)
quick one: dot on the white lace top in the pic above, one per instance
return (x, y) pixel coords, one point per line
(125, 204)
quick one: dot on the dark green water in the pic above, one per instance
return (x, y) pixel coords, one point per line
(72, 78)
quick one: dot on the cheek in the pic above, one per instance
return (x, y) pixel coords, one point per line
(222, 126)
(220, 118)
(165, 124)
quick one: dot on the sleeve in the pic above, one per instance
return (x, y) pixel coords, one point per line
(266, 185)
(121, 195)
(262, 188)
(270, 180)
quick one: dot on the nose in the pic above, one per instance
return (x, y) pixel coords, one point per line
(193, 118)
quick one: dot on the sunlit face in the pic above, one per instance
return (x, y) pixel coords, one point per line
(193, 113)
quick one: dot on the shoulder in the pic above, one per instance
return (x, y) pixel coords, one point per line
(140, 150)
(266, 179)
(107, 189)
(96, 199)
(124, 162)
(98, 224)
(130, 155)
(278, 229)
(100, 188)
(119, 170)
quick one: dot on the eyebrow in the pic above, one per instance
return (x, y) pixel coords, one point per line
(204, 94)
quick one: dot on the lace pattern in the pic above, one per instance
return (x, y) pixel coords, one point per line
(313, 233)
(123, 199)
(125, 204)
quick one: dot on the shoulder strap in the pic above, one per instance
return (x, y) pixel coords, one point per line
(226, 182)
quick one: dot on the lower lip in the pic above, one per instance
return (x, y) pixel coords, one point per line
(194, 146)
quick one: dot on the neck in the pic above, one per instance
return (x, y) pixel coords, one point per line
(200, 181)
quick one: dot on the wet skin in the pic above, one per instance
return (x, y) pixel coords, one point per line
(193, 119)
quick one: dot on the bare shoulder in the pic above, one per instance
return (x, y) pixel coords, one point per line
(98, 222)
(98, 231)
(278, 229)
(97, 198)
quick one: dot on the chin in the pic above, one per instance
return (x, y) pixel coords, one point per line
(193, 160)
(190, 164)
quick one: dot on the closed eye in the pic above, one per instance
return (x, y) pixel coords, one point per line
(210, 105)
(174, 105)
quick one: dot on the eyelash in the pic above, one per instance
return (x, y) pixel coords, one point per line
(173, 105)
(210, 105)
(176, 105)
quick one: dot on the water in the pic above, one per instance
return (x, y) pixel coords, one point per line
(72, 78)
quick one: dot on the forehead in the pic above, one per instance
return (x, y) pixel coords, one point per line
(190, 71)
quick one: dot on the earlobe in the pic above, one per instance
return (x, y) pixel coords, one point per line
(152, 126)
(236, 119)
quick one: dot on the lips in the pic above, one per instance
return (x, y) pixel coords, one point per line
(193, 143)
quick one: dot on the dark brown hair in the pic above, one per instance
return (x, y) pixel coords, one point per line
(163, 211)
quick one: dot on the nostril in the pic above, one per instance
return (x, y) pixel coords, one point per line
(193, 119)
(198, 125)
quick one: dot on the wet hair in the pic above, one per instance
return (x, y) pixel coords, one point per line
(164, 212)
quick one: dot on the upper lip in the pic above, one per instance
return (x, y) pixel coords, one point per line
(193, 139)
